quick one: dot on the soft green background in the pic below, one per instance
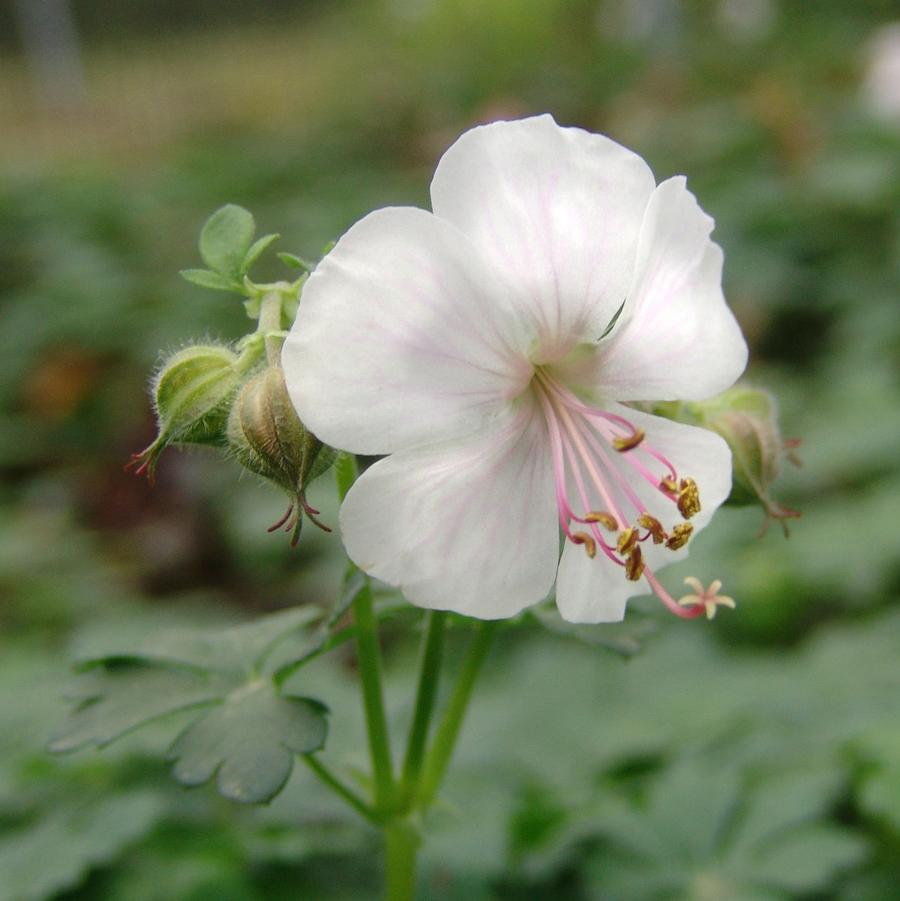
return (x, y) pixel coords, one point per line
(757, 757)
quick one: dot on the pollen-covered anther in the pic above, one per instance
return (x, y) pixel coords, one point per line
(627, 540)
(634, 564)
(669, 486)
(709, 598)
(653, 527)
(680, 535)
(688, 498)
(629, 442)
(607, 520)
(590, 546)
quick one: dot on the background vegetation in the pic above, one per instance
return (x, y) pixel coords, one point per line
(754, 758)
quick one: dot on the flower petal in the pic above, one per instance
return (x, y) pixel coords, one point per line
(398, 342)
(468, 526)
(677, 339)
(594, 591)
(558, 210)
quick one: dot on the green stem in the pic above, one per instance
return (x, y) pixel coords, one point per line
(401, 844)
(368, 654)
(340, 788)
(369, 657)
(429, 674)
(448, 731)
(269, 323)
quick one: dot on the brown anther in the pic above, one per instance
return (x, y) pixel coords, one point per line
(688, 498)
(653, 526)
(629, 442)
(590, 546)
(607, 520)
(634, 564)
(680, 535)
(627, 540)
(668, 485)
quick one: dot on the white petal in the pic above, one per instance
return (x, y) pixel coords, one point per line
(558, 210)
(594, 591)
(468, 526)
(398, 341)
(677, 339)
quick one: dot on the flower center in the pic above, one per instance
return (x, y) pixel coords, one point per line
(590, 447)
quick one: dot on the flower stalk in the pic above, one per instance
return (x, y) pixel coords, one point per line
(426, 693)
(448, 730)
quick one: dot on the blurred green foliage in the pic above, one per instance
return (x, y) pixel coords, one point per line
(758, 757)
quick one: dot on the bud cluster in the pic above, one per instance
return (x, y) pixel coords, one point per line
(236, 399)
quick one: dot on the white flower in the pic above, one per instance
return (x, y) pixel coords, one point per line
(487, 348)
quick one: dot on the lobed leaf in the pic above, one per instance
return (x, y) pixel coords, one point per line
(249, 730)
(248, 742)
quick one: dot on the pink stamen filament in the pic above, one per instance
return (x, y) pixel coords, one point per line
(572, 402)
(608, 549)
(691, 612)
(577, 441)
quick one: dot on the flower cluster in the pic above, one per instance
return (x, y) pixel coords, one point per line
(489, 348)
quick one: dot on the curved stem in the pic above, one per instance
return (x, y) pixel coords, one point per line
(448, 731)
(340, 788)
(429, 674)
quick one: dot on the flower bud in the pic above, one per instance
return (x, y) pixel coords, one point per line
(266, 436)
(747, 419)
(190, 394)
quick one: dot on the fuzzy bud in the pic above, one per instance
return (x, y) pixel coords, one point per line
(191, 392)
(747, 419)
(266, 436)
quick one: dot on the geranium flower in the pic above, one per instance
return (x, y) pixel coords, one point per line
(487, 348)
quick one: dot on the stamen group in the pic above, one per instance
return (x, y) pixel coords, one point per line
(585, 442)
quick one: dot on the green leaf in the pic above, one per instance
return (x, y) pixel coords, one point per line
(880, 788)
(113, 702)
(243, 648)
(626, 638)
(295, 262)
(247, 729)
(55, 853)
(248, 742)
(807, 859)
(207, 279)
(705, 834)
(225, 240)
(256, 251)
